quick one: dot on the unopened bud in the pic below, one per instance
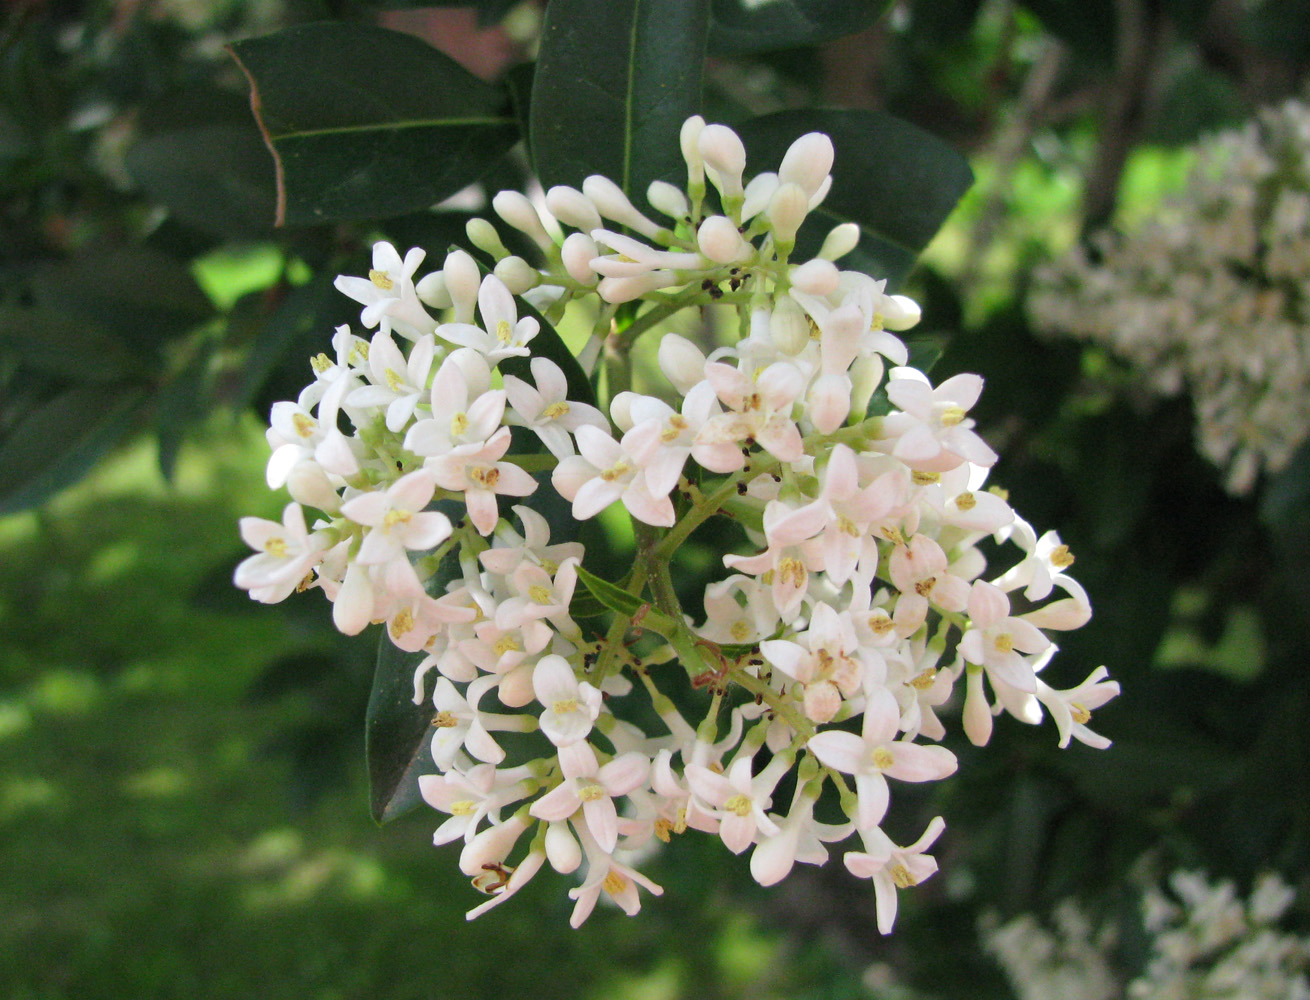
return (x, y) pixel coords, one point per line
(977, 713)
(899, 312)
(789, 327)
(578, 251)
(787, 210)
(719, 240)
(517, 211)
(725, 155)
(573, 208)
(463, 279)
(482, 234)
(818, 277)
(517, 274)
(681, 361)
(758, 192)
(612, 203)
(431, 290)
(666, 198)
(562, 850)
(689, 139)
(807, 162)
(615, 290)
(841, 241)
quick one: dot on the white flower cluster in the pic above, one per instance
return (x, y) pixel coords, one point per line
(1212, 296)
(1206, 944)
(822, 656)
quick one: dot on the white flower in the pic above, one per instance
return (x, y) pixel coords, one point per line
(592, 787)
(285, 553)
(606, 470)
(397, 519)
(505, 335)
(546, 408)
(893, 867)
(570, 706)
(481, 477)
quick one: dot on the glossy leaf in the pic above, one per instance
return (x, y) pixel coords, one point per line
(397, 734)
(740, 26)
(69, 348)
(894, 179)
(611, 595)
(364, 122)
(141, 297)
(59, 441)
(614, 83)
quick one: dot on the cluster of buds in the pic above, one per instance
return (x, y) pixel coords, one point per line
(854, 598)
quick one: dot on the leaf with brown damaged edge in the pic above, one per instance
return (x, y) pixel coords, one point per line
(366, 123)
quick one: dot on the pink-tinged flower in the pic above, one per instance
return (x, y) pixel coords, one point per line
(826, 661)
(932, 432)
(617, 880)
(877, 755)
(606, 470)
(848, 540)
(546, 410)
(471, 796)
(1072, 709)
(571, 707)
(510, 550)
(397, 519)
(893, 867)
(996, 640)
(388, 294)
(740, 801)
(800, 838)
(285, 553)
(677, 433)
(460, 725)
(591, 787)
(505, 336)
(919, 571)
(759, 413)
(727, 620)
(520, 876)
(792, 554)
(481, 476)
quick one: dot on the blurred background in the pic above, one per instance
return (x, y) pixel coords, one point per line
(183, 796)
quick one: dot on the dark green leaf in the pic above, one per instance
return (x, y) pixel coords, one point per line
(62, 439)
(58, 344)
(614, 83)
(398, 734)
(490, 12)
(612, 596)
(742, 26)
(141, 297)
(897, 181)
(365, 122)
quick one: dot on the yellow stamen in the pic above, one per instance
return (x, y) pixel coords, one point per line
(793, 571)
(485, 476)
(925, 680)
(616, 471)
(883, 759)
(540, 594)
(1080, 714)
(564, 706)
(739, 804)
(966, 501)
(394, 381)
(276, 547)
(591, 791)
(402, 623)
(464, 807)
(459, 424)
(925, 478)
(320, 363)
(380, 279)
(305, 426)
(506, 644)
(504, 332)
(952, 415)
(901, 876)
(395, 517)
(614, 883)
(1003, 643)
(1061, 557)
(445, 720)
(556, 410)
(924, 587)
(880, 624)
(739, 630)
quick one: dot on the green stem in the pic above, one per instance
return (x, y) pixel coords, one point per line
(652, 317)
(699, 514)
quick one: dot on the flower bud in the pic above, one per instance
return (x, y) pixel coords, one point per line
(681, 361)
(689, 139)
(977, 713)
(719, 240)
(431, 290)
(621, 410)
(828, 404)
(492, 845)
(666, 198)
(899, 312)
(758, 192)
(866, 375)
(309, 486)
(807, 162)
(573, 208)
(789, 327)
(841, 241)
(612, 203)
(562, 850)
(517, 274)
(517, 211)
(725, 155)
(787, 210)
(482, 234)
(818, 277)
(353, 608)
(463, 279)
(578, 251)
(616, 290)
